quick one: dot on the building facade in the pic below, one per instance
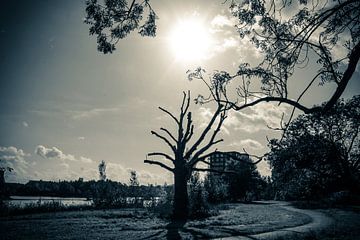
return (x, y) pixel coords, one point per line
(226, 161)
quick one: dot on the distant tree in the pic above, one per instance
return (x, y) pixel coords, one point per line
(3, 169)
(198, 196)
(243, 182)
(134, 182)
(102, 170)
(236, 186)
(319, 153)
(217, 189)
(135, 191)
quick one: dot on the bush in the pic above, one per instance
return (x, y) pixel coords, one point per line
(163, 208)
(199, 206)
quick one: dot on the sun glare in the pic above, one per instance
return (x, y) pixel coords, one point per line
(190, 40)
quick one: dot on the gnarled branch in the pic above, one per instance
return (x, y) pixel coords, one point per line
(161, 154)
(165, 140)
(159, 164)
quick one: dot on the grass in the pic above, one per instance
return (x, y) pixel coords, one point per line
(38, 207)
(233, 219)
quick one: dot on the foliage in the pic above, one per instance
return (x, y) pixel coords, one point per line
(289, 34)
(134, 182)
(112, 20)
(105, 194)
(164, 207)
(199, 206)
(217, 189)
(319, 153)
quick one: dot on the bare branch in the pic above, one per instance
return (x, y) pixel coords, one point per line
(170, 114)
(159, 164)
(211, 141)
(204, 133)
(189, 128)
(353, 60)
(169, 133)
(165, 140)
(161, 154)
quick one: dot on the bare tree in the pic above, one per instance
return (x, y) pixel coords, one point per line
(185, 156)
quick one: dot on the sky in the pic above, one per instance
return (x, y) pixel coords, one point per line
(64, 106)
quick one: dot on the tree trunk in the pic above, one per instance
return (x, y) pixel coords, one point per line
(2, 183)
(181, 199)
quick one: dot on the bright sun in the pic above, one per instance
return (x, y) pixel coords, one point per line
(190, 40)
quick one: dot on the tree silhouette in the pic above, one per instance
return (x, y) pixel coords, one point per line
(102, 170)
(134, 182)
(319, 153)
(184, 155)
(2, 178)
(328, 32)
(115, 19)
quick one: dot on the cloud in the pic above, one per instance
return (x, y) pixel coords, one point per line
(81, 138)
(256, 118)
(54, 152)
(85, 160)
(12, 154)
(247, 144)
(223, 20)
(118, 172)
(77, 115)
(14, 158)
(227, 38)
(25, 124)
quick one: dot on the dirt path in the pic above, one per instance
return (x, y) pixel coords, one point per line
(318, 222)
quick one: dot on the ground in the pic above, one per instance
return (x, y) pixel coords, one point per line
(265, 220)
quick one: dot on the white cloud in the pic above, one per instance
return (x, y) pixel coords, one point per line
(223, 20)
(118, 172)
(256, 118)
(85, 160)
(54, 152)
(12, 154)
(247, 144)
(227, 38)
(14, 158)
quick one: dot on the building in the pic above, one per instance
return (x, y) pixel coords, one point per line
(225, 161)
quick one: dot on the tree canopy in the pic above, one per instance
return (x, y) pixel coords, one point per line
(319, 153)
(288, 33)
(113, 20)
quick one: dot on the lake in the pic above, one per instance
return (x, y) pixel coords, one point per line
(22, 201)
